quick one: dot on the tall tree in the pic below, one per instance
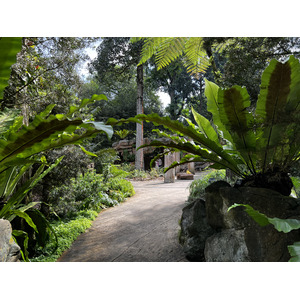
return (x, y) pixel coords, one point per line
(139, 156)
(244, 60)
(116, 56)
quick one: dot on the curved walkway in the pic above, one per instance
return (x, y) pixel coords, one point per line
(143, 229)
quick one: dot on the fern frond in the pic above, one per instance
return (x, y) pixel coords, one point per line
(196, 58)
(150, 47)
(168, 50)
(220, 47)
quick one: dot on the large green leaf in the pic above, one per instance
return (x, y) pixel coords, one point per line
(24, 235)
(10, 178)
(233, 112)
(205, 127)
(43, 134)
(9, 47)
(24, 216)
(13, 202)
(211, 92)
(277, 111)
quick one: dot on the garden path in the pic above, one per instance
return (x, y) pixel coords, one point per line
(142, 229)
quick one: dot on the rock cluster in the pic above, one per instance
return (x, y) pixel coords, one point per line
(210, 233)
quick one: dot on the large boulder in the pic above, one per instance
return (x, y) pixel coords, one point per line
(238, 228)
(227, 246)
(9, 250)
(220, 196)
(194, 230)
(210, 233)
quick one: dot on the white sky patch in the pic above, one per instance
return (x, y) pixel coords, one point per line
(165, 98)
(92, 53)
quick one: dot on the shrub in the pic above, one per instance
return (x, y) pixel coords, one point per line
(197, 187)
(144, 175)
(128, 167)
(105, 157)
(85, 192)
(123, 186)
(91, 191)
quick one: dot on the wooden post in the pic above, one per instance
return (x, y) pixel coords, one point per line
(169, 177)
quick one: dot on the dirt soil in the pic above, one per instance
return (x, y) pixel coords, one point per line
(145, 228)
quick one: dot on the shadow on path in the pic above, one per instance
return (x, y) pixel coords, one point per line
(143, 229)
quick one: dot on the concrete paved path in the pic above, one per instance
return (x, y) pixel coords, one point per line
(142, 229)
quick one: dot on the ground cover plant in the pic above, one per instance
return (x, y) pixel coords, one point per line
(66, 230)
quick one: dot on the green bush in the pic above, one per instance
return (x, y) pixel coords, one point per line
(197, 187)
(144, 175)
(67, 231)
(128, 167)
(91, 191)
(87, 191)
(123, 186)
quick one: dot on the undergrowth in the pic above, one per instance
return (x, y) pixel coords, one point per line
(197, 187)
(141, 175)
(67, 230)
(76, 205)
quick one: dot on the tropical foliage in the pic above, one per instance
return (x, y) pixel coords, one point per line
(21, 146)
(90, 191)
(66, 231)
(257, 143)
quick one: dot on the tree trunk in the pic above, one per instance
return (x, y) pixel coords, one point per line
(139, 156)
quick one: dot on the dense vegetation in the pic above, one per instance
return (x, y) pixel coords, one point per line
(58, 168)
